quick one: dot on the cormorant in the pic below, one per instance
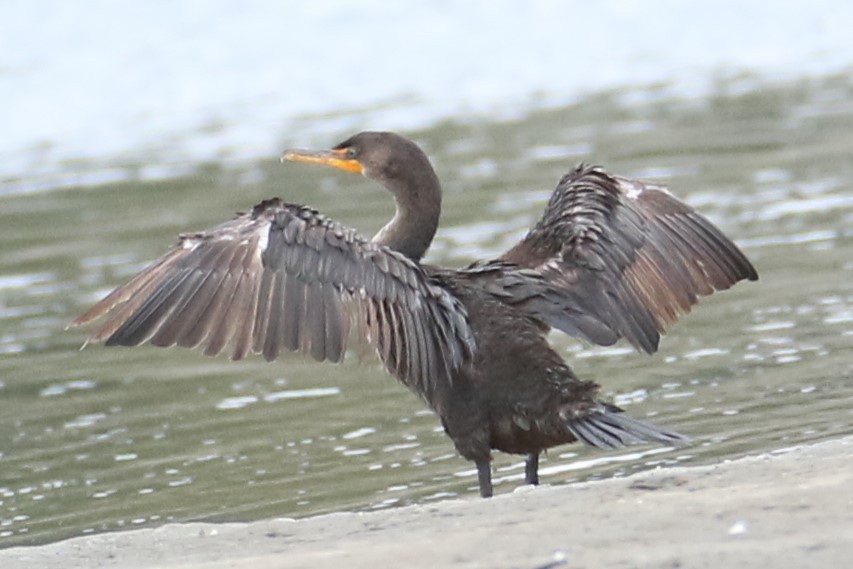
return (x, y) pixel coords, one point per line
(610, 258)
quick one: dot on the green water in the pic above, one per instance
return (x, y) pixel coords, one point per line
(105, 439)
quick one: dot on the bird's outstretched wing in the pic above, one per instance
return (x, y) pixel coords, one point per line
(623, 258)
(284, 276)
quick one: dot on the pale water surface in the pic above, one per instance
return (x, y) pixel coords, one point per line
(121, 133)
(103, 439)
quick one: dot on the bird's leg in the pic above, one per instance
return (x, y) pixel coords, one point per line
(531, 468)
(484, 476)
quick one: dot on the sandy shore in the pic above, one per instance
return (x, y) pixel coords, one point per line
(788, 509)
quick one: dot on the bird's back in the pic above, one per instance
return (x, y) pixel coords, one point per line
(514, 390)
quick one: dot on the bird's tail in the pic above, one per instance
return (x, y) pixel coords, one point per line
(608, 427)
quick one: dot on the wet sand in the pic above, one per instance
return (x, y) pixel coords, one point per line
(792, 508)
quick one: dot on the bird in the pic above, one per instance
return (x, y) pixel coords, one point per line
(611, 258)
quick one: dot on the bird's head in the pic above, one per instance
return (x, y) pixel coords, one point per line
(383, 156)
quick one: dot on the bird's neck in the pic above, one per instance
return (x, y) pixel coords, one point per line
(415, 222)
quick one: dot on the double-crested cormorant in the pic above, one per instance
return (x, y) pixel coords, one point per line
(611, 258)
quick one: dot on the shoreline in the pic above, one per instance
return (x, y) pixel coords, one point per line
(789, 508)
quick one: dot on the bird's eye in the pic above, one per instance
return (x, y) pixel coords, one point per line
(351, 152)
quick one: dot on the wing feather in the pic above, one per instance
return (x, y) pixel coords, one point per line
(620, 255)
(284, 277)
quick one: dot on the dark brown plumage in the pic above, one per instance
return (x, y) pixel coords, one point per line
(611, 258)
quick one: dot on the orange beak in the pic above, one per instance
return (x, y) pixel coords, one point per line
(336, 158)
